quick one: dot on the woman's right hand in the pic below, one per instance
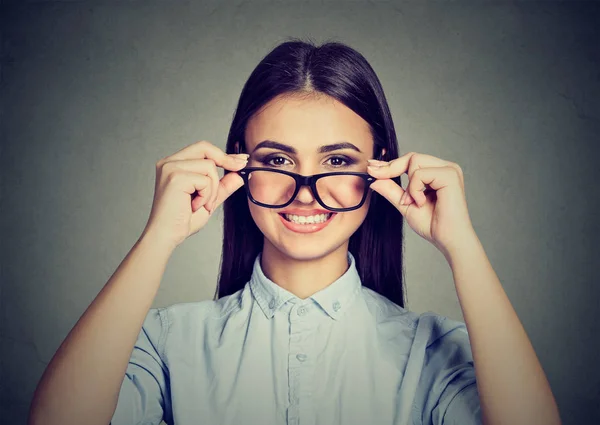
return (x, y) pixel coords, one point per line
(175, 214)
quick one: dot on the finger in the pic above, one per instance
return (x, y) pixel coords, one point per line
(227, 186)
(437, 178)
(199, 184)
(393, 168)
(214, 183)
(206, 150)
(422, 160)
(206, 167)
(418, 161)
(203, 198)
(390, 169)
(391, 191)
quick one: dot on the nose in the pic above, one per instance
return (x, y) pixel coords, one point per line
(305, 195)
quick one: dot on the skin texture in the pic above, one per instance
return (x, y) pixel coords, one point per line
(306, 263)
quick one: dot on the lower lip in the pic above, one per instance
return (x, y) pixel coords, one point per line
(305, 228)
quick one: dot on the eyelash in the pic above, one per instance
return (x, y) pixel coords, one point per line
(349, 161)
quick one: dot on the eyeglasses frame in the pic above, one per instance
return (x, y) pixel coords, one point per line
(310, 181)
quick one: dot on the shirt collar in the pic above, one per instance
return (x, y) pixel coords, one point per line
(333, 299)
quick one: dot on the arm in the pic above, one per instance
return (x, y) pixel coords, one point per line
(82, 382)
(511, 382)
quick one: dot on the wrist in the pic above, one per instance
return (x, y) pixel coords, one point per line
(463, 246)
(153, 240)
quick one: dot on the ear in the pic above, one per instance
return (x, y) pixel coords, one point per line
(382, 154)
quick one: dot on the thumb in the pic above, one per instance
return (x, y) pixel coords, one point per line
(227, 186)
(391, 191)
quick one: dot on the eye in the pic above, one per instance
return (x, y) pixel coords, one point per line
(338, 161)
(278, 160)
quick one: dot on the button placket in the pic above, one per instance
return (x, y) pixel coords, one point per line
(300, 369)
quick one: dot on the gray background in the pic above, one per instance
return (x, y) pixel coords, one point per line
(94, 93)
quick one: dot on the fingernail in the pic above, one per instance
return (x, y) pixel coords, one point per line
(374, 167)
(403, 198)
(376, 162)
(241, 160)
(240, 155)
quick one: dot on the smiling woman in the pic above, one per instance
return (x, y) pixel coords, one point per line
(311, 127)
(308, 324)
(313, 110)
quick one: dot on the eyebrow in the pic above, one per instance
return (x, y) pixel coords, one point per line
(289, 149)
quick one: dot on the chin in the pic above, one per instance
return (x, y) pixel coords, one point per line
(300, 251)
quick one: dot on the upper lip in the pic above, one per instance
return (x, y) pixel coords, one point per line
(297, 211)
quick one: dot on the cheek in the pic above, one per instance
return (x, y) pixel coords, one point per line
(361, 213)
(352, 220)
(260, 216)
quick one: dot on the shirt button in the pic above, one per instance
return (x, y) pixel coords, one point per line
(302, 311)
(272, 304)
(301, 357)
(337, 305)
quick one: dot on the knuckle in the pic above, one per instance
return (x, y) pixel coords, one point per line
(209, 166)
(169, 167)
(457, 168)
(173, 176)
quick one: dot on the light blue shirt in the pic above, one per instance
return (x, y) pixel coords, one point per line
(262, 356)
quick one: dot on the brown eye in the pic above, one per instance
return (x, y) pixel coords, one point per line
(341, 161)
(274, 161)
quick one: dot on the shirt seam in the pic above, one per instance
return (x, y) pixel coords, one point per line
(406, 321)
(229, 310)
(458, 393)
(164, 332)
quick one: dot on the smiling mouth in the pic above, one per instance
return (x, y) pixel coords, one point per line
(312, 219)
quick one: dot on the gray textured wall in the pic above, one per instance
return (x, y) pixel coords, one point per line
(93, 94)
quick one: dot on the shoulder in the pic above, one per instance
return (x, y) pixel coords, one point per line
(185, 317)
(431, 327)
(388, 314)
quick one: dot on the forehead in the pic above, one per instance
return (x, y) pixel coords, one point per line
(308, 122)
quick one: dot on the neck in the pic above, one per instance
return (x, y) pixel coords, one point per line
(303, 277)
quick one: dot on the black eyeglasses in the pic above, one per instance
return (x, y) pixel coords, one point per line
(337, 191)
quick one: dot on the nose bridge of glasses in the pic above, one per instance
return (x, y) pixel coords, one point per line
(304, 181)
(305, 186)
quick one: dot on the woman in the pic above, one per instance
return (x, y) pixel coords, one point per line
(308, 324)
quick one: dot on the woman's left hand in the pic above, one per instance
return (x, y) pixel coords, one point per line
(436, 206)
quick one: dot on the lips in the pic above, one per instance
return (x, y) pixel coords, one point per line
(286, 216)
(297, 211)
(305, 228)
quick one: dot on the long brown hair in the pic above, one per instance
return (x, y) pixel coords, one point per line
(337, 70)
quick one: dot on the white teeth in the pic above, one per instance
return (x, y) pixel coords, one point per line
(311, 219)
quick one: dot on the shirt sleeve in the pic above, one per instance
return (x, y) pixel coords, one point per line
(448, 379)
(144, 397)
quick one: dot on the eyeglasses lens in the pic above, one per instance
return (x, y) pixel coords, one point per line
(275, 189)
